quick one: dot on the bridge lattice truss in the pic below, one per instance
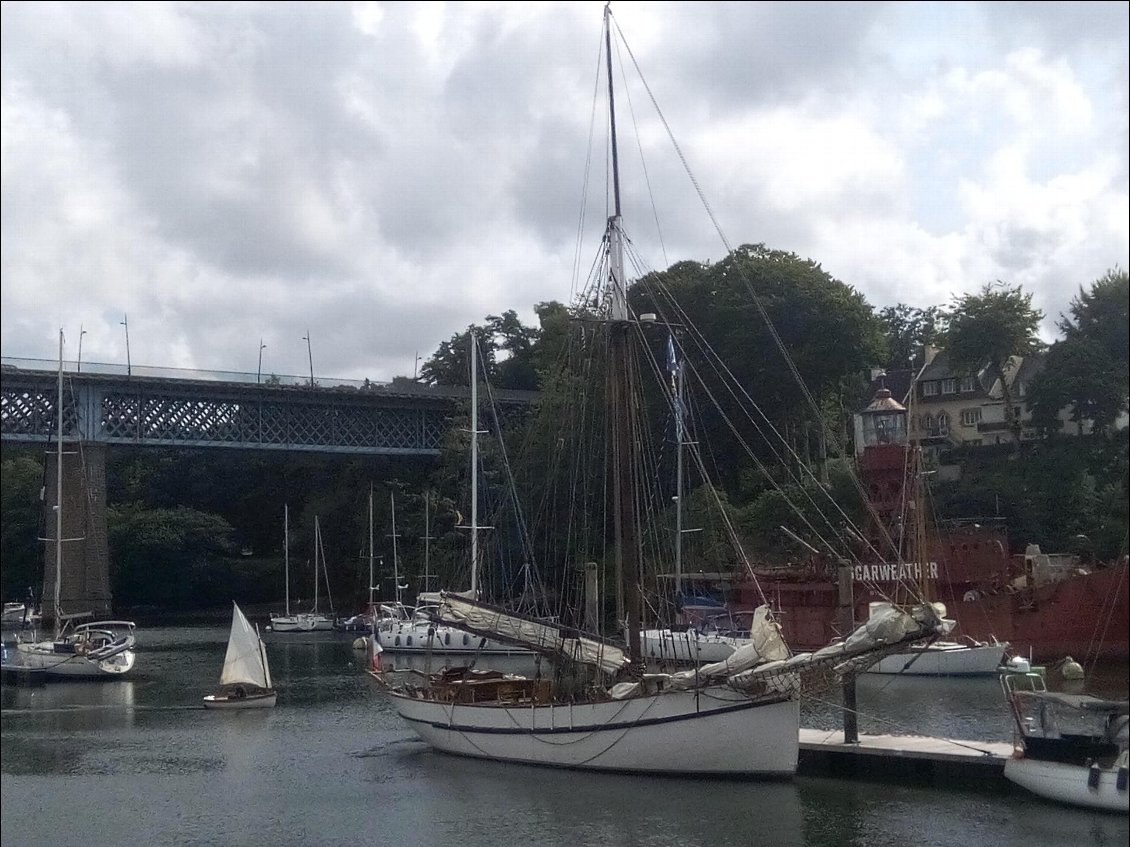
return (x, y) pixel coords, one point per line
(201, 414)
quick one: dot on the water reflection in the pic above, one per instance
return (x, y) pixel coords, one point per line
(334, 764)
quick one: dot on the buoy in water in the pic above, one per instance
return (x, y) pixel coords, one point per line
(1071, 669)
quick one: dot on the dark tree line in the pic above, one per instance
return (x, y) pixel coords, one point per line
(194, 529)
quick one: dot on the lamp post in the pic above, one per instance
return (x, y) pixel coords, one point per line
(78, 361)
(259, 371)
(310, 355)
(129, 366)
(416, 366)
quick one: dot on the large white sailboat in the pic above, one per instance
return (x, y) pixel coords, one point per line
(737, 717)
(92, 650)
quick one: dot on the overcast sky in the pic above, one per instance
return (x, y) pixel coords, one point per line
(384, 174)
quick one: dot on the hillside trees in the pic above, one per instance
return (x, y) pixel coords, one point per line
(1089, 369)
(795, 339)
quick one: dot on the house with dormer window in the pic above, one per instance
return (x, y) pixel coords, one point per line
(948, 408)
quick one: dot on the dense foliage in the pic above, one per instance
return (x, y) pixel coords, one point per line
(193, 529)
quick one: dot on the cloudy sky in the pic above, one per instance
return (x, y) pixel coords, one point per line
(380, 175)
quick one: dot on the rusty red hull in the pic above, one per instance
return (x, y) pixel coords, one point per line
(1083, 615)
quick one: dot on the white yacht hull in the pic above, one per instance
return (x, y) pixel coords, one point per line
(716, 732)
(414, 637)
(944, 659)
(1069, 784)
(42, 656)
(690, 647)
(302, 623)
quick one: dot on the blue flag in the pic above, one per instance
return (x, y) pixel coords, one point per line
(672, 362)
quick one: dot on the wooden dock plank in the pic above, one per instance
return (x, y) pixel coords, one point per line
(932, 759)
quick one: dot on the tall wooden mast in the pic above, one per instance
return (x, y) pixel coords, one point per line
(620, 395)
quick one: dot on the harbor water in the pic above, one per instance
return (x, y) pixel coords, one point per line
(140, 762)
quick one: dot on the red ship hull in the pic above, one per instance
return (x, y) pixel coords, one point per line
(1084, 615)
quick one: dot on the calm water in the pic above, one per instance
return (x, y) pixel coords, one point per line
(141, 763)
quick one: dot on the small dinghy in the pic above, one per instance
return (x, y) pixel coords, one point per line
(246, 679)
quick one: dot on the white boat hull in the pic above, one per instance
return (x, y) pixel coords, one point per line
(1069, 784)
(946, 659)
(302, 623)
(715, 732)
(73, 665)
(691, 647)
(412, 637)
(265, 700)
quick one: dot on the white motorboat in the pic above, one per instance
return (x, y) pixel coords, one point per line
(245, 682)
(1071, 748)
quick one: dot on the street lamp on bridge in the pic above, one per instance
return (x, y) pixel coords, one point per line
(129, 367)
(259, 371)
(78, 361)
(310, 354)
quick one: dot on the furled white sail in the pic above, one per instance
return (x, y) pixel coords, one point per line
(245, 663)
(542, 636)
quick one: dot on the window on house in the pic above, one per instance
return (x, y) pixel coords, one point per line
(930, 389)
(949, 386)
(967, 385)
(970, 417)
(928, 423)
(943, 424)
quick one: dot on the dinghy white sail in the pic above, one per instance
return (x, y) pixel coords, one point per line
(245, 682)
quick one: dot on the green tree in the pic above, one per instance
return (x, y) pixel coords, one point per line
(986, 330)
(167, 557)
(450, 365)
(907, 330)
(21, 510)
(1089, 369)
(779, 326)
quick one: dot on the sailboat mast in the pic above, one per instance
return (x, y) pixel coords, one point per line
(286, 553)
(395, 556)
(623, 466)
(474, 467)
(317, 544)
(427, 539)
(679, 481)
(59, 490)
(370, 548)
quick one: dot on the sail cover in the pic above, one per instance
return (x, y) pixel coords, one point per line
(244, 662)
(545, 637)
